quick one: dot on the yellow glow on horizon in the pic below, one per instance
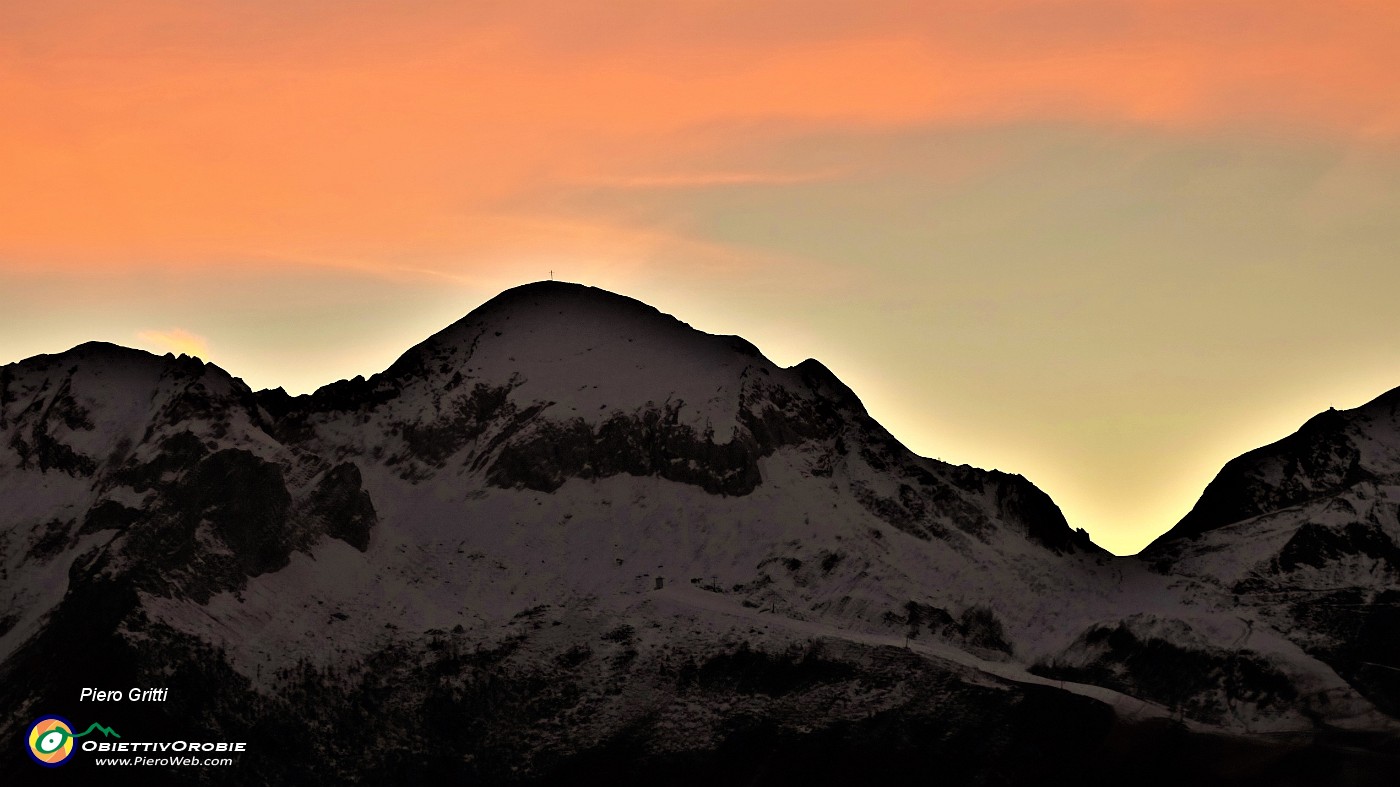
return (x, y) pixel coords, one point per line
(1106, 244)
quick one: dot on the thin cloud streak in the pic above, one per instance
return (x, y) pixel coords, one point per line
(713, 179)
(184, 135)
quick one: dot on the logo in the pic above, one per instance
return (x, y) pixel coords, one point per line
(51, 740)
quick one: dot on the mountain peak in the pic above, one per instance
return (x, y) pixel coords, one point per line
(94, 351)
(584, 353)
(1331, 452)
(556, 292)
(581, 307)
(553, 381)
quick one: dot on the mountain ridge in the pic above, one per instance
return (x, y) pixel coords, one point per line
(569, 514)
(1319, 445)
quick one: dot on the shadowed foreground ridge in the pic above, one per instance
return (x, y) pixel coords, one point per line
(570, 538)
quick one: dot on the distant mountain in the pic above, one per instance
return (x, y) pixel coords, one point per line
(1303, 533)
(570, 538)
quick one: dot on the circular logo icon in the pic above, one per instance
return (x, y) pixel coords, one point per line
(51, 741)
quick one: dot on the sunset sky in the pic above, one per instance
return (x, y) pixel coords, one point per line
(1107, 244)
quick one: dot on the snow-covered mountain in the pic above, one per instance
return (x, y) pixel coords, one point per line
(570, 536)
(1303, 534)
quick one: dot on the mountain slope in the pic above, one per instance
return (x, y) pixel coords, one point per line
(568, 531)
(1307, 532)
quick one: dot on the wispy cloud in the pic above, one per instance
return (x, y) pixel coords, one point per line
(407, 131)
(176, 340)
(689, 180)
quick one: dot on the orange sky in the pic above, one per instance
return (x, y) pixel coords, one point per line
(167, 150)
(351, 133)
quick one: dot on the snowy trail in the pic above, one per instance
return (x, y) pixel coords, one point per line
(1125, 706)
